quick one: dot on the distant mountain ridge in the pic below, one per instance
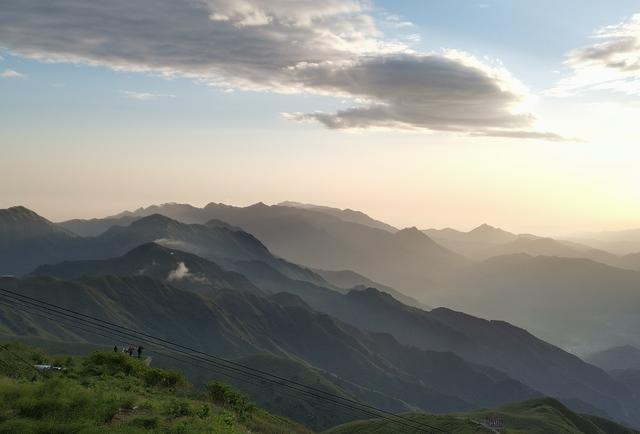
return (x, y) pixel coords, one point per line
(406, 260)
(623, 357)
(27, 238)
(487, 241)
(347, 215)
(235, 324)
(572, 302)
(282, 308)
(178, 268)
(494, 344)
(214, 240)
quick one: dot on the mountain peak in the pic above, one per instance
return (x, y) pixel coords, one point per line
(20, 220)
(411, 230)
(412, 233)
(490, 233)
(153, 219)
(484, 227)
(20, 212)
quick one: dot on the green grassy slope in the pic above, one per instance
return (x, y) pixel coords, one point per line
(111, 392)
(538, 416)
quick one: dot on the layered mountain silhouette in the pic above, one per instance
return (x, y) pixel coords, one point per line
(622, 357)
(495, 344)
(180, 269)
(487, 241)
(27, 239)
(620, 242)
(407, 260)
(214, 240)
(572, 302)
(347, 280)
(235, 324)
(347, 215)
(289, 281)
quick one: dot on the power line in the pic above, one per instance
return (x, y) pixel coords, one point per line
(261, 384)
(20, 359)
(342, 404)
(219, 362)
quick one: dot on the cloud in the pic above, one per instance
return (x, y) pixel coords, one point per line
(179, 273)
(540, 135)
(451, 92)
(395, 21)
(144, 96)
(327, 47)
(10, 73)
(611, 63)
(182, 273)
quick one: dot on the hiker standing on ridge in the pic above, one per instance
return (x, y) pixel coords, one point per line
(115, 348)
(140, 348)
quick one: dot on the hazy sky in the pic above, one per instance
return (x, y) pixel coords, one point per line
(431, 113)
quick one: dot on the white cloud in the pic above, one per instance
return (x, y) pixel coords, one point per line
(10, 73)
(144, 96)
(396, 21)
(182, 273)
(612, 63)
(329, 47)
(179, 273)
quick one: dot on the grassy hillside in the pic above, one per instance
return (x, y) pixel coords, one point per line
(112, 392)
(539, 416)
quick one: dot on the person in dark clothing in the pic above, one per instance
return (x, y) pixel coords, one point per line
(130, 350)
(115, 348)
(140, 348)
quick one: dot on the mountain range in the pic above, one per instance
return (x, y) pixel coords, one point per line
(406, 259)
(486, 271)
(211, 278)
(486, 241)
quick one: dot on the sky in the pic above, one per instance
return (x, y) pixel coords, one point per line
(434, 113)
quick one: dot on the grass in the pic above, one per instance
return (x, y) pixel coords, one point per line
(112, 392)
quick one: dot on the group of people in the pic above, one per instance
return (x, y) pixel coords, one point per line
(130, 350)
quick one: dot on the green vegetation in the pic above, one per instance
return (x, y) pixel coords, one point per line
(112, 392)
(538, 416)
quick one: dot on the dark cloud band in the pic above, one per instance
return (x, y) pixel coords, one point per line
(326, 46)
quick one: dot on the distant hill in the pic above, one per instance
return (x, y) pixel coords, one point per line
(347, 215)
(347, 280)
(620, 242)
(27, 239)
(181, 269)
(572, 302)
(471, 242)
(489, 343)
(34, 241)
(630, 378)
(540, 416)
(406, 260)
(487, 241)
(622, 357)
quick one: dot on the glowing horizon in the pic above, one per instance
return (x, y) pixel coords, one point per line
(446, 124)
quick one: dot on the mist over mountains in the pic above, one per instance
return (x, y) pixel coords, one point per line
(396, 315)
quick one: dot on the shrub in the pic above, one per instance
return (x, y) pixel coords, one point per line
(154, 377)
(112, 363)
(226, 396)
(203, 412)
(178, 408)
